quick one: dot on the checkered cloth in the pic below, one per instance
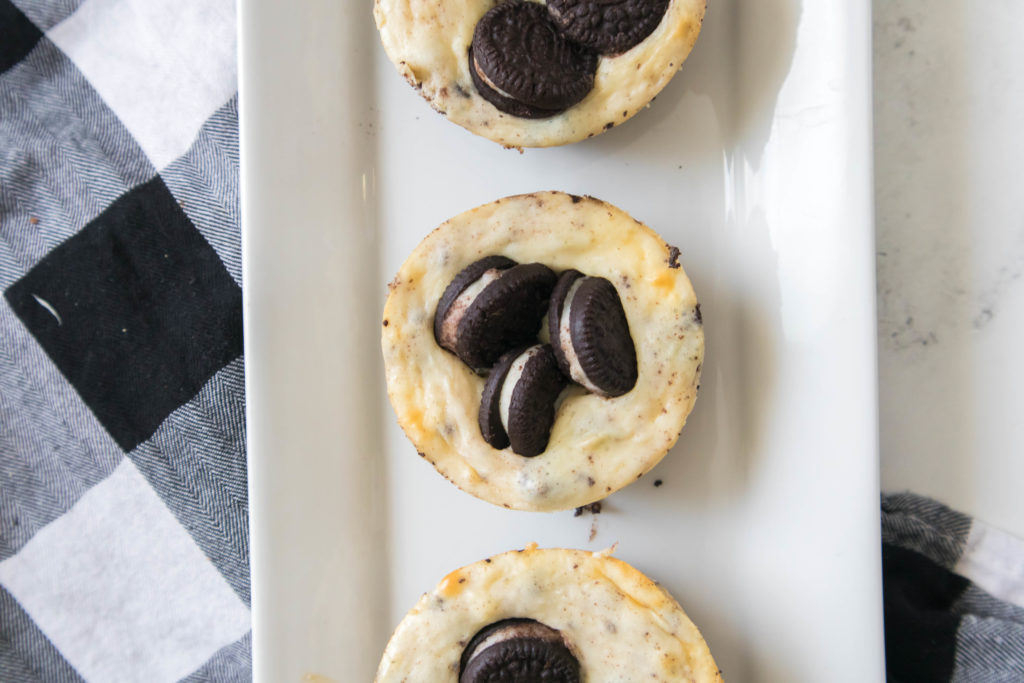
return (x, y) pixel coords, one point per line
(954, 595)
(123, 512)
(123, 518)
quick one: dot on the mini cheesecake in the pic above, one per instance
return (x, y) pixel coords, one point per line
(557, 615)
(536, 74)
(522, 433)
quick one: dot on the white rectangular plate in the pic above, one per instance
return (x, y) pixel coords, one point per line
(755, 161)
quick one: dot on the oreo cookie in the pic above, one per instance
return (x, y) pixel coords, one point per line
(521, 64)
(459, 284)
(517, 407)
(491, 307)
(503, 102)
(590, 334)
(518, 649)
(609, 27)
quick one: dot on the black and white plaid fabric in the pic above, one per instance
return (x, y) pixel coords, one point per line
(123, 515)
(954, 595)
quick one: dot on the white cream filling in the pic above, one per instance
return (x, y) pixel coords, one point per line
(565, 340)
(453, 316)
(511, 379)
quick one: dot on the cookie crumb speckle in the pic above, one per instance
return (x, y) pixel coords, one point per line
(658, 482)
(673, 257)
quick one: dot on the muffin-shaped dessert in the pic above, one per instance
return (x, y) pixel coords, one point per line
(543, 350)
(537, 74)
(554, 615)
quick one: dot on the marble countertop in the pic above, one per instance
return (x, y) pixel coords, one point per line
(949, 202)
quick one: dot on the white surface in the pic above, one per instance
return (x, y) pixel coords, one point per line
(309, 241)
(950, 219)
(755, 161)
(163, 66)
(136, 597)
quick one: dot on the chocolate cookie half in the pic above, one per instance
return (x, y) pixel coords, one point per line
(525, 83)
(547, 616)
(596, 444)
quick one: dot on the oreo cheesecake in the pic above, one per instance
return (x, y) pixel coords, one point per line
(542, 351)
(553, 615)
(528, 73)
